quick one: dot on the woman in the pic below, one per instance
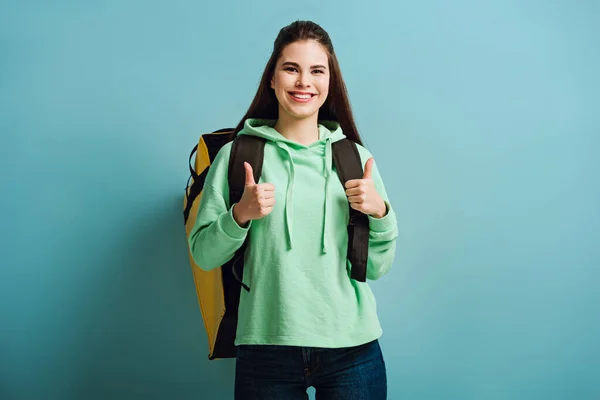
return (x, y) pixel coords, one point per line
(305, 322)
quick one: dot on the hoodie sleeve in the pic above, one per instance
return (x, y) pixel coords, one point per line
(216, 236)
(383, 231)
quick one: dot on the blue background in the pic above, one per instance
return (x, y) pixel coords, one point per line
(483, 118)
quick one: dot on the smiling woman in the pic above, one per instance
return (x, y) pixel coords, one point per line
(310, 318)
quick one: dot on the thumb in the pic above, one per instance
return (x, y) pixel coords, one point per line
(369, 168)
(249, 174)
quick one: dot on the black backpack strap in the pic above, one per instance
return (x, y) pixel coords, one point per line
(347, 161)
(252, 150)
(213, 145)
(195, 190)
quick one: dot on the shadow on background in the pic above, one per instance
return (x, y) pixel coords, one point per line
(143, 335)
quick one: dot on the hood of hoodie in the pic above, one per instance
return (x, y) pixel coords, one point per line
(329, 132)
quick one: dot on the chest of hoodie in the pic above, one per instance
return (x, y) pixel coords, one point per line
(310, 202)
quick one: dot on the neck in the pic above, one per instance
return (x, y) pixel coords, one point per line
(303, 131)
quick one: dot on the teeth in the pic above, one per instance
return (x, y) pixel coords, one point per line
(302, 96)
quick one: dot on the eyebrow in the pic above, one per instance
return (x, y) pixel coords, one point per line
(298, 65)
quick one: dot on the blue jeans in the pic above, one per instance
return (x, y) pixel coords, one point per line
(271, 372)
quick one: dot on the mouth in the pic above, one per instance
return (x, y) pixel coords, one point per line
(301, 97)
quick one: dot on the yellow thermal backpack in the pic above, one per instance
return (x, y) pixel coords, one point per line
(218, 290)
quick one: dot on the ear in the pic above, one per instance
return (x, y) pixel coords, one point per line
(273, 83)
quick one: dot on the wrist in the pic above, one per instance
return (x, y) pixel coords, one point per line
(238, 217)
(382, 213)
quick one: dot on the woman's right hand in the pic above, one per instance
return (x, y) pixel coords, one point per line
(256, 202)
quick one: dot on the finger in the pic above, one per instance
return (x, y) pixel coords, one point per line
(265, 194)
(249, 174)
(268, 202)
(356, 199)
(352, 183)
(266, 209)
(356, 206)
(354, 191)
(369, 168)
(267, 187)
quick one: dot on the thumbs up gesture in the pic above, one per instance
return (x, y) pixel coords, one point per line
(257, 200)
(363, 196)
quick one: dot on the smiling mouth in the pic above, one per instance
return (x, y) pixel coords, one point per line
(301, 96)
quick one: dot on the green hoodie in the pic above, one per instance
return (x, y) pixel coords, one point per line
(301, 293)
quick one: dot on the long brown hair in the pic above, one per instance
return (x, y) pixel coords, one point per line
(337, 106)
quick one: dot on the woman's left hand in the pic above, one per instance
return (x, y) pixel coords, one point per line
(363, 196)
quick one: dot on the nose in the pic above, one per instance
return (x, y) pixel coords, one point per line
(302, 80)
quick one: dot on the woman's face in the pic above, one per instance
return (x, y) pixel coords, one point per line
(301, 79)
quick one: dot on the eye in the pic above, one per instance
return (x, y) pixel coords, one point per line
(290, 69)
(320, 71)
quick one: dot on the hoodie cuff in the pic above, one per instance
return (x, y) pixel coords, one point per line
(385, 223)
(231, 228)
